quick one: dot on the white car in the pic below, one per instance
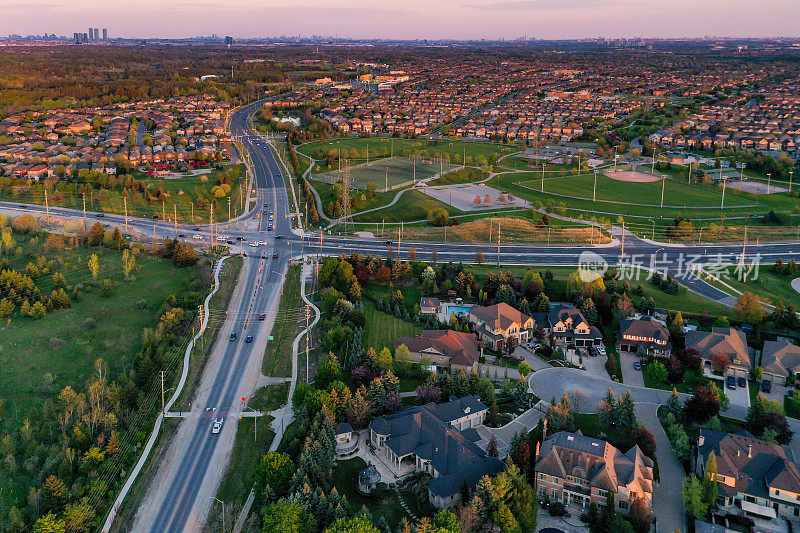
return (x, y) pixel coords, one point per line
(254, 244)
(222, 238)
(217, 425)
(601, 350)
(198, 237)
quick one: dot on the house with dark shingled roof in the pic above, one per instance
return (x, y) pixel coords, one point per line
(753, 475)
(440, 440)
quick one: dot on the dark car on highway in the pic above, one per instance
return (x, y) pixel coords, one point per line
(233, 336)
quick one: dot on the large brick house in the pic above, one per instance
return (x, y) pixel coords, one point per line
(753, 475)
(645, 333)
(451, 350)
(575, 469)
(725, 341)
(501, 327)
(438, 439)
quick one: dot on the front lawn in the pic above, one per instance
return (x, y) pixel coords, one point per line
(380, 503)
(383, 330)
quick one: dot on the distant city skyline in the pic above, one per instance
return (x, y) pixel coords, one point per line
(411, 19)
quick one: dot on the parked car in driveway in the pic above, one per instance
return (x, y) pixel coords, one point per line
(601, 350)
(741, 381)
(730, 381)
(766, 386)
(637, 365)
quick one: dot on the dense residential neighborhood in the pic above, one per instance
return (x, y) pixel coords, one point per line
(371, 286)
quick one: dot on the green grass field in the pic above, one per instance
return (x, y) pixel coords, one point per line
(180, 193)
(383, 330)
(387, 173)
(676, 193)
(278, 357)
(413, 205)
(64, 343)
(767, 285)
(355, 149)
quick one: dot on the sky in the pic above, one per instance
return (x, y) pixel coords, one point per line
(405, 19)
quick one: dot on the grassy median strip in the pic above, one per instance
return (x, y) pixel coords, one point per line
(278, 356)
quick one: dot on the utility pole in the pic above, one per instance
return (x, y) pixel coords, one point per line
(175, 218)
(542, 177)
(498, 243)
(308, 312)
(722, 204)
(84, 208)
(386, 185)
(164, 210)
(229, 208)
(211, 221)
(744, 245)
(653, 169)
(791, 173)
(622, 253)
(125, 203)
(162, 393)
(663, 184)
(398, 243)
(46, 205)
(769, 176)
(192, 204)
(594, 188)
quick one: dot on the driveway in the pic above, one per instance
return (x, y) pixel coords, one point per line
(739, 396)
(667, 494)
(630, 375)
(596, 365)
(536, 362)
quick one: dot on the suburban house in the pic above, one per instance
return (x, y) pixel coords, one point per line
(428, 306)
(568, 327)
(500, 326)
(644, 333)
(727, 341)
(753, 475)
(780, 359)
(450, 350)
(438, 439)
(575, 469)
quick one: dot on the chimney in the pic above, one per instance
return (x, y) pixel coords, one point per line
(544, 429)
(749, 450)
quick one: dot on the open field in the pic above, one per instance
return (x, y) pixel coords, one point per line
(648, 194)
(66, 343)
(278, 357)
(768, 285)
(179, 195)
(388, 173)
(355, 150)
(413, 205)
(383, 330)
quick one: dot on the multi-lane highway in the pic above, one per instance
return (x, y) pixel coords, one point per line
(180, 497)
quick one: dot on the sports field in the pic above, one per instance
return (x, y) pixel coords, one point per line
(355, 150)
(676, 194)
(388, 173)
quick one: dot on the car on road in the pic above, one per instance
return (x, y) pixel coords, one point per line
(233, 336)
(23, 206)
(766, 386)
(637, 365)
(270, 228)
(389, 243)
(222, 238)
(730, 381)
(239, 238)
(196, 229)
(100, 215)
(274, 256)
(262, 316)
(182, 235)
(279, 236)
(198, 237)
(248, 339)
(155, 217)
(741, 381)
(217, 425)
(254, 244)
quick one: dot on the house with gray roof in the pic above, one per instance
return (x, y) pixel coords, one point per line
(780, 359)
(754, 476)
(501, 327)
(644, 333)
(569, 328)
(575, 469)
(440, 440)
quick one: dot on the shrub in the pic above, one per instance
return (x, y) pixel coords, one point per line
(557, 509)
(90, 323)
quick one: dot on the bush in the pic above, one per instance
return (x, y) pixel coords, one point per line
(557, 509)
(89, 324)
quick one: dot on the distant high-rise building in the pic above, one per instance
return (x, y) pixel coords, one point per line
(105, 34)
(228, 39)
(96, 34)
(90, 34)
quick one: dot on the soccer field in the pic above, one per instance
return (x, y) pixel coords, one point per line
(676, 194)
(388, 173)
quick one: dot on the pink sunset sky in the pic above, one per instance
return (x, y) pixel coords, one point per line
(406, 19)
